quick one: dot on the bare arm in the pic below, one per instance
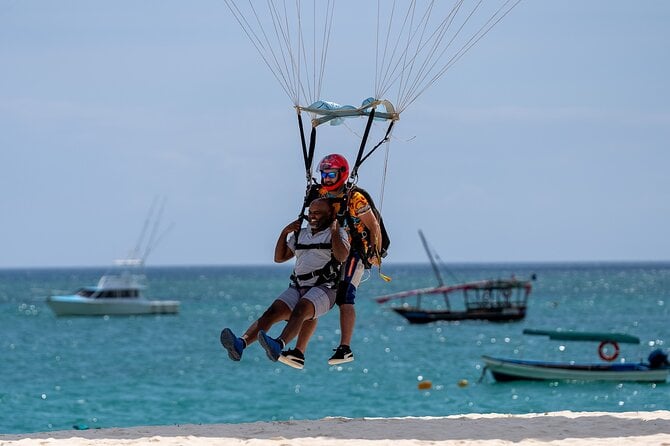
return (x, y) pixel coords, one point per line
(340, 250)
(370, 221)
(282, 251)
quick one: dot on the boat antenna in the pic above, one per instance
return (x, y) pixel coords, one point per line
(156, 242)
(138, 246)
(154, 238)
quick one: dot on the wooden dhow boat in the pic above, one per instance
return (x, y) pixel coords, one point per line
(499, 300)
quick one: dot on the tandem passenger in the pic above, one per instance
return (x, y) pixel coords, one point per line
(319, 250)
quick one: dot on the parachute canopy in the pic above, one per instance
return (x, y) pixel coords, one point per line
(414, 43)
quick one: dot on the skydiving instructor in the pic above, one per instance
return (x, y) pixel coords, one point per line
(355, 213)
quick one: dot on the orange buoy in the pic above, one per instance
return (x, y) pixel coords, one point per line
(425, 385)
(463, 383)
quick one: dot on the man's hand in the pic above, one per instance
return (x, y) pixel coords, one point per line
(373, 257)
(292, 227)
(335, 226)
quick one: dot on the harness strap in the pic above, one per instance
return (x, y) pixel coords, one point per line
(356, 237)
(302, 141)
(308, 157)
(330, 272)
(313, 246)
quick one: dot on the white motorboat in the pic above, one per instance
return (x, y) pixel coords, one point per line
(117, 293)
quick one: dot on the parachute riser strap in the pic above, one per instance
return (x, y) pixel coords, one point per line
(308, 156)
(364, 140)
(302, 140)
(386, 138)
(310, 153)
(307, 153)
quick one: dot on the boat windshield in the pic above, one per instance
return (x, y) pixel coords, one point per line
(106, 294)
(85, 292)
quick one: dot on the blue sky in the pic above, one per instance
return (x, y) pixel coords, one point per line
(548, 141)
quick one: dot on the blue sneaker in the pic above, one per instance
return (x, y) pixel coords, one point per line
(232, 343)
(271, 346)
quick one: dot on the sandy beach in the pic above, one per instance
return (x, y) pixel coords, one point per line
(555, 428)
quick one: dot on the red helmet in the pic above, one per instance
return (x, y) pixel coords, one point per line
(335, 161)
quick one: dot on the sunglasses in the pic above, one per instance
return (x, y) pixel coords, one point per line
(331, 175)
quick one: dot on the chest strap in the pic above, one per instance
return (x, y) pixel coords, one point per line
(303, 246)
(329, 273)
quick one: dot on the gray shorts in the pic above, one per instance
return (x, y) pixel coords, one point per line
(323, 298)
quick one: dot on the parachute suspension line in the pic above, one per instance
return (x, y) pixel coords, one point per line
(441, 32)
(413, 52)
(380, 64)
(282, 36)
(318, 58)
(377, 51)
(287, 68)
(493, 20)
(302, 52)
(403, 79)
(386, 162)
(257, 42)
(265, 48)
(436, 37)
(391, 74)
(327, 31)
(429, 46)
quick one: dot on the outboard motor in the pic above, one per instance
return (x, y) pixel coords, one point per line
(657, 359)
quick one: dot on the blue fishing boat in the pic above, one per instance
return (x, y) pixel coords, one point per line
(656, 369)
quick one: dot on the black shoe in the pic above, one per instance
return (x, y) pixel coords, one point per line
(293, 358)
(342, 354)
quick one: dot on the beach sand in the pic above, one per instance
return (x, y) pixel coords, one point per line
(555, 428)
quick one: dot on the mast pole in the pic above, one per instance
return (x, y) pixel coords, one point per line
(436, 270)
(432, 261)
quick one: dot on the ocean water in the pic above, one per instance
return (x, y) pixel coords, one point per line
(57, 372)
